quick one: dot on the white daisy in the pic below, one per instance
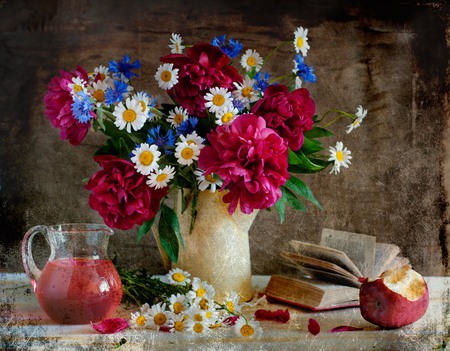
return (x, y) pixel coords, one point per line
(218, 100)
(129, 115)
(77, 85)
(145, 158)
(197, 328)
(208, 317)
(298, 82)
(207, 181)
(176, 47)
(101, 72)
(301, 41)
(193, 138)
(177, 276)
(232, 303)
(227, 116)
(251, 59)
(144, 100)
(161, 177)
(158, 316)
(186, 153)
(177, 116)
(248, 329)
(177, 323)
(341, 157)
(178, 304)
(98, 91)
(139, 320)
(166, 76)
(360, 114)
(200, 289)
(245, 90)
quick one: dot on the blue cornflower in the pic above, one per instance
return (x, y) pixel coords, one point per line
(262, 81)
(82, 107)
(239, 104)
(164, 142)
(303, 70)
(117, 93)
(124, 67)
(188, 126)
(232, 49)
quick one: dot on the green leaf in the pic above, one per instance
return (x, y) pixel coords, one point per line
(293, 159)
(194, 210)
(167, 236)
(145, 228)
(317, 132)
(280, 206)
(292, 200)
(124, 151)
(311, 146)
(302, 189)
(300, 163)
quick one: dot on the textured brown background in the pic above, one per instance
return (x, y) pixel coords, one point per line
(392, 59)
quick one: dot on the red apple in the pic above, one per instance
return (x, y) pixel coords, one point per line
(398, 298)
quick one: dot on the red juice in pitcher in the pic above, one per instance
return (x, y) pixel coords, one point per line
(78, 290)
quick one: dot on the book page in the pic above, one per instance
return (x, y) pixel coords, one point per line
(384, 255)
(337, 257)
(360, 248)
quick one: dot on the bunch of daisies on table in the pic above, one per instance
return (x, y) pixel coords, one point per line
(247, 134)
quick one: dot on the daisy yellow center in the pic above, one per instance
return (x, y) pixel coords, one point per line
(251, 61)
(201, 292)
(191, 142)
(177, 47)
(247, 330)
(161, 177)
(187, 154)
(99, 95)
(210, 178)
(177, 307)
(166, 76)
(143, 105)
(339, 156)
(198, 317)
(146, 158)
(356, 122)
(227, 117)
(178, 277)
(300, 42)
(178, 118)
(179, 326)
(77, 88)
(102, 76)
(198, 328)
(208, 314)
(203, 304)
(160, 318)
(230, 306)
(218, 100)
(129, 115)
(247, 92)
(140, 321)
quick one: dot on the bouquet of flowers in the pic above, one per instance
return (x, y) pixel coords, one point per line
(229, 126)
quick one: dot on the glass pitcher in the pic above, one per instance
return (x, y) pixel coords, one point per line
(78, 284)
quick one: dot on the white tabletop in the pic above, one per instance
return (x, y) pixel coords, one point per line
(24, 326)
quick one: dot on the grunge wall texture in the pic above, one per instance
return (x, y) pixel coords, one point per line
(392, 59)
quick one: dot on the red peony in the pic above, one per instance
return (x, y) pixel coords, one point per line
(205, 66)
(252, 161)
(58, 106)
(120, 195)
(288, 113)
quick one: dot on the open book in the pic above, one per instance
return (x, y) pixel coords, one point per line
(328, 269)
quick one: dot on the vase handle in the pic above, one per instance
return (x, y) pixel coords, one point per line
(31, 269)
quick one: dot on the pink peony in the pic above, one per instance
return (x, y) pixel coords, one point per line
(120, 195)
(205, 66)
(288, 113)
(58, 106)
(252, 161)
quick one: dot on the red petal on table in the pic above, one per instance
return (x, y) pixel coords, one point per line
(111, 326)
(164, 328)
(344, 328)
(231, 320)
(279, 315)
(313, 327)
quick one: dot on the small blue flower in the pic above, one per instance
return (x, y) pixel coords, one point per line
(239, 104)
(232, 49)
(82, 107)
(124, 67)
(165, 142)
(117, 93)
(262, 81)
(188, 126)
(303, 70)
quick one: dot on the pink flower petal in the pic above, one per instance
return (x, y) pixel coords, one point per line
(313, 327)
(111, 325)
(231, 320)
(344, 328)
(278, 316)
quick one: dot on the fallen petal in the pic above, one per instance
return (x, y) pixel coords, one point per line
(313, 327)
(231, 320)
(279, 315)
(344, 328)
(111, 326)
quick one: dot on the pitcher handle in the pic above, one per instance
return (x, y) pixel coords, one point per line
(31, 269)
